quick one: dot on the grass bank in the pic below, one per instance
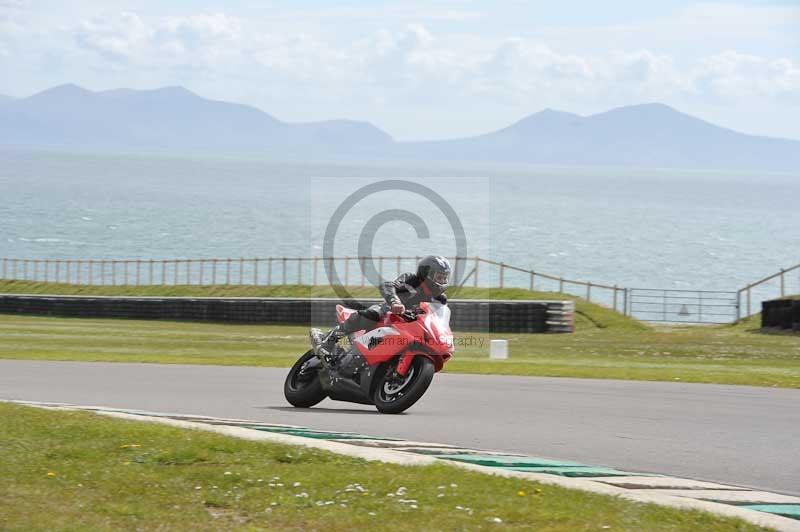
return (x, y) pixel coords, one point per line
(81, 471)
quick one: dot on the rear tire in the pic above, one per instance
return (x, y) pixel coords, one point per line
(303, 391)
(394, 395)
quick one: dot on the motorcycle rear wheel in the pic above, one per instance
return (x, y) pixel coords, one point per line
(395, 394)
(303, 391)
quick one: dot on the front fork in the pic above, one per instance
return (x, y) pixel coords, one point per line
(405, 363)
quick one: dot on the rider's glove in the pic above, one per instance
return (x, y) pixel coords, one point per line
(398, 308)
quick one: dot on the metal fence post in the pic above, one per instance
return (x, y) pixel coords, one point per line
(502, 273)
(241, 270)
(214, 271)
(67, 272)
(189, 271)
(150, 267)
(561, 285)
(615, 297)
(738, 305)
(175, 266)
(201, 281)
(783, 285)
(299, 271)
(475, 280)
(700, 307)
(625, 297)
(255, 272)
(138, 272)
(269, 271)
(283, 273)
(163, 272)
(589, 291)
(749, 307)
(228, 272)
(533, 275)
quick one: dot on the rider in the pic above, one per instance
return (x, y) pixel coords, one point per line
(427, 284)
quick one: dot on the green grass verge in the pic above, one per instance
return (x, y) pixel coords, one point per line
(726, 355)
(81, 471)
(606, 344)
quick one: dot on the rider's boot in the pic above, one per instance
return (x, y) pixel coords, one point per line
(324, 344)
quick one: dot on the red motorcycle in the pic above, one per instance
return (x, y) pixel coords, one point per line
(390, 366)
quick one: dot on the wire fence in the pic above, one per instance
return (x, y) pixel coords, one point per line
(690, 306)
(269, 271)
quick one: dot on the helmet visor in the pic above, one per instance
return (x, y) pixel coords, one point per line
(441, 278)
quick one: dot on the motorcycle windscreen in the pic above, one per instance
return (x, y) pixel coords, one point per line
(438, 322)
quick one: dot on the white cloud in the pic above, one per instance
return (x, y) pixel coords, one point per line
(736, 77)
(415, 64)
(168, 41)
(122, 39)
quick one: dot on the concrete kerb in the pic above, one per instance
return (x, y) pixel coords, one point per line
(408, 459)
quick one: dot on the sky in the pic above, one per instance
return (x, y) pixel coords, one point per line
(423, 70)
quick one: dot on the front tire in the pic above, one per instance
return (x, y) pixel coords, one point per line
(394, 394)
(303, 389)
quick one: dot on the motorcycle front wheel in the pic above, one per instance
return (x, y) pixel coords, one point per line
(395, 393)
(302, 387)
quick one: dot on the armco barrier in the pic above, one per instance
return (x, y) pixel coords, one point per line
(781, 313)
(467, 315)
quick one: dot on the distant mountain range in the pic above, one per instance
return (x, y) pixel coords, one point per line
(175, 120)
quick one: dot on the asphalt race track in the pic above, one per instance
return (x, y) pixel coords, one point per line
(731, 434)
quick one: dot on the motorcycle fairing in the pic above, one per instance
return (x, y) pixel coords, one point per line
(342, 313)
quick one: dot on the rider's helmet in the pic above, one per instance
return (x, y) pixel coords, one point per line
(435, 269)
